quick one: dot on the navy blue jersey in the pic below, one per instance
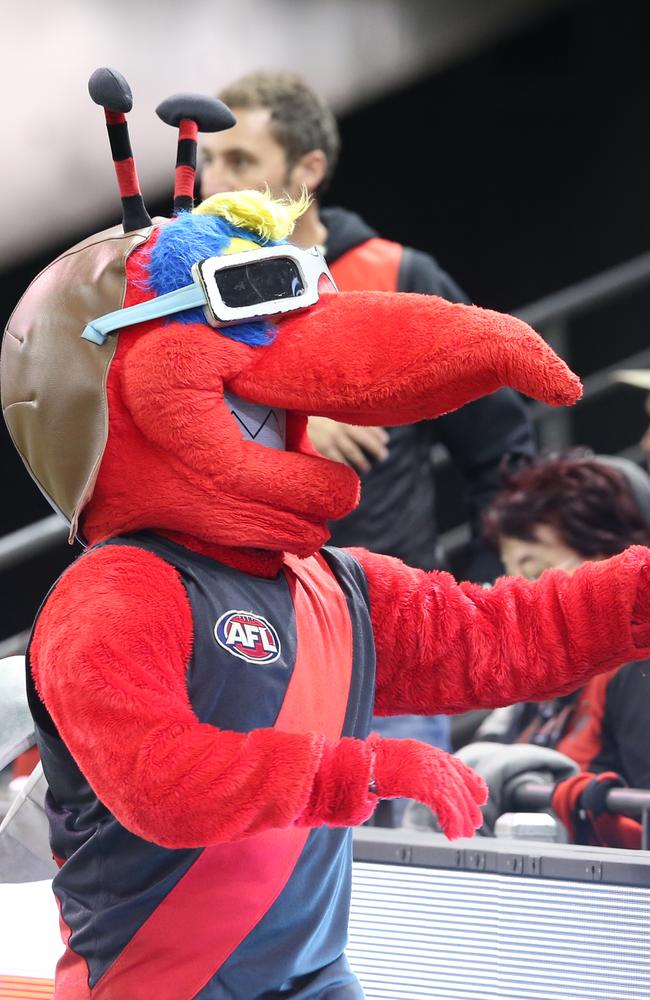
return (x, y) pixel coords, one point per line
(115, 886)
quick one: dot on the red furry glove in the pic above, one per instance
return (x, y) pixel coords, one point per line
(413, 770)
(579, 802)
(341, 794)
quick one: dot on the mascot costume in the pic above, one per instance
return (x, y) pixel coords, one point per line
(204, 675)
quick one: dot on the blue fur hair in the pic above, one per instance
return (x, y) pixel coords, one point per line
(186, 240)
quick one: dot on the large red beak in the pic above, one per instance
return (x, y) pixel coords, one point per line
(383, 358)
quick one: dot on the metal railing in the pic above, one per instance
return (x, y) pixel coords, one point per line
(18, 547)
(551, 316)
(560, 307)
(633, 802)
(31, 541)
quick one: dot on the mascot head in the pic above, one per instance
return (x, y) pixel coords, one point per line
(159, 375)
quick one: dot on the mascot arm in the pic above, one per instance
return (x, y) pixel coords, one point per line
(109, 657)
(449, 647)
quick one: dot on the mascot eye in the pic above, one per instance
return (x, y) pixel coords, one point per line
(263, 281)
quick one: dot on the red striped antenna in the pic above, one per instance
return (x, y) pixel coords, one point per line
(109, 89)
(191, 114)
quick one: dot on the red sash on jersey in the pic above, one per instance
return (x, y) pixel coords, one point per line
(371, 265)
(230, 888)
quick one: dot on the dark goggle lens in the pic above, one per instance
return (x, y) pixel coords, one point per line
(260, 281)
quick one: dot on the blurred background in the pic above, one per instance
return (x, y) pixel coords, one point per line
(508, 139)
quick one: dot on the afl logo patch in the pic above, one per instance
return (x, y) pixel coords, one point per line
(248, 636)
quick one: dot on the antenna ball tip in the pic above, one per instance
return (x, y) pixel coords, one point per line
(108, 88)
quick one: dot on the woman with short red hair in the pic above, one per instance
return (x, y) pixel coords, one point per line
(558, 512)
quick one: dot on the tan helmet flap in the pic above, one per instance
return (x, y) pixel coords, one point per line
(53, 383)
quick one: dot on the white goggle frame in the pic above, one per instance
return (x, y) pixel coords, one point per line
(311, 267)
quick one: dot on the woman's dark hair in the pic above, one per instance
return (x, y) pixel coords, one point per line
(589, 503)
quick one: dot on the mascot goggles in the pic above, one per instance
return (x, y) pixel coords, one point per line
(236, 288)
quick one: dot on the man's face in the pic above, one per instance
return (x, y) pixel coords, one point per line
(245, 157)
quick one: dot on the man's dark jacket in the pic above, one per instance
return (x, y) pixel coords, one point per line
(396, 514)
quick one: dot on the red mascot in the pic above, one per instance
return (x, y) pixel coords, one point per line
(204, 675)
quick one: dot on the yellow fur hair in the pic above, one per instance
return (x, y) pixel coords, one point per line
(257, 211)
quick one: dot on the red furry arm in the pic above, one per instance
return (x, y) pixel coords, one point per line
(109, 658)
(448, 647)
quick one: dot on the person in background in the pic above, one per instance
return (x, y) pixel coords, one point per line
(287, 138)
(557, 513)
(640, 378)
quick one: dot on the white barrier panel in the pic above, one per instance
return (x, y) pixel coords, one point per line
(459, 926)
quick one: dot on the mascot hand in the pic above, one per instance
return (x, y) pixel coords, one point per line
(414, 770)
(341, 794)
